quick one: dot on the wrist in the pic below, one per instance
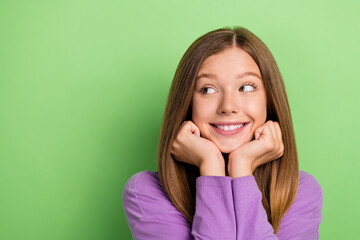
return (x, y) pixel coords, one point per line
(212, 167)
(239, 169)
(241, 173)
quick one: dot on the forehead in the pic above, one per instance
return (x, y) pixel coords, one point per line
(238, 76)
(232, 61)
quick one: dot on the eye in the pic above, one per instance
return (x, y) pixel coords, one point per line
(248, 87)
(204, 90)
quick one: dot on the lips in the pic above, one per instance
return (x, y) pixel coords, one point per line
(229, 128)
(228, 123)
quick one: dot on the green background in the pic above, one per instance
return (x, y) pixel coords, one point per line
(83, 86)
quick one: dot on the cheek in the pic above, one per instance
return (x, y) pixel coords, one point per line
(196, 112)
(201, 111)
(257, 109)
(202, 115)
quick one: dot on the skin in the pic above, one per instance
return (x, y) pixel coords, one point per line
(222, 95)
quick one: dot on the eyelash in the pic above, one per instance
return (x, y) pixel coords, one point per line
(250, 84)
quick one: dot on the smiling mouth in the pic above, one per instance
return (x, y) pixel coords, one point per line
(229, 127)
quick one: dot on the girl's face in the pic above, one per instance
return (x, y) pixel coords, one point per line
(229, 101)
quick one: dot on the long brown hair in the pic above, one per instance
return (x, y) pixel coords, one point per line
(277, 180)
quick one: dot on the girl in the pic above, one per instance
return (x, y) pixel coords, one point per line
(227, 158)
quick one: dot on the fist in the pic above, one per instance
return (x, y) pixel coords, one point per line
(266, 146)
(189, 147)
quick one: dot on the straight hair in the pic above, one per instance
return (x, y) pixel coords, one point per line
(277, 180)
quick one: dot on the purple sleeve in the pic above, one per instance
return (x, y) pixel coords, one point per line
(301, 222)
(214, 217)
(151, 215)
(149, 212)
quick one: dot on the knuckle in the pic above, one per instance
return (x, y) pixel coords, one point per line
(281, 150)
(174, 146)
(176, 138)
(281, 153)
(184, 124)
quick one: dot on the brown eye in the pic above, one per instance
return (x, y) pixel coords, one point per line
(248, 87)
(204, 90)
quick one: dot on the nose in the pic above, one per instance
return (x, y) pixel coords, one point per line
(228, 104)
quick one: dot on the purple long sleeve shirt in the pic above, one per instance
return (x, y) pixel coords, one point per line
(226, 209)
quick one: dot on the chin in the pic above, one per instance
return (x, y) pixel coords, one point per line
(227, 149)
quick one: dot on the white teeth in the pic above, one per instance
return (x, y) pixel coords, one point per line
(229, 127)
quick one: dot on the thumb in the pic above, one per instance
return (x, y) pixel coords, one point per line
(258, 133)
(261, 132)
(190, 128)
(195, 130)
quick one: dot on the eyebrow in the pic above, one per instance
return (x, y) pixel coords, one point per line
(213, 76)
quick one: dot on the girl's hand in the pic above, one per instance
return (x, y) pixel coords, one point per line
(190, 148)
(266, 146)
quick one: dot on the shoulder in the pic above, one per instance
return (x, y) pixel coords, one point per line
(144, 196)
(309, 198)
(308, 185)
(145, 181)
(145, 184)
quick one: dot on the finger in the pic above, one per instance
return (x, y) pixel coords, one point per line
(172, 152)
(187, 127)
(173, 147)
(259, 132)
(195, 129)
(182, 125)
(191, 128)
(269, 138)
(278, 129)
(185, 122)
(276, 138)
(266, 133)
(277, 133)
(279, 144)
(270, 125)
